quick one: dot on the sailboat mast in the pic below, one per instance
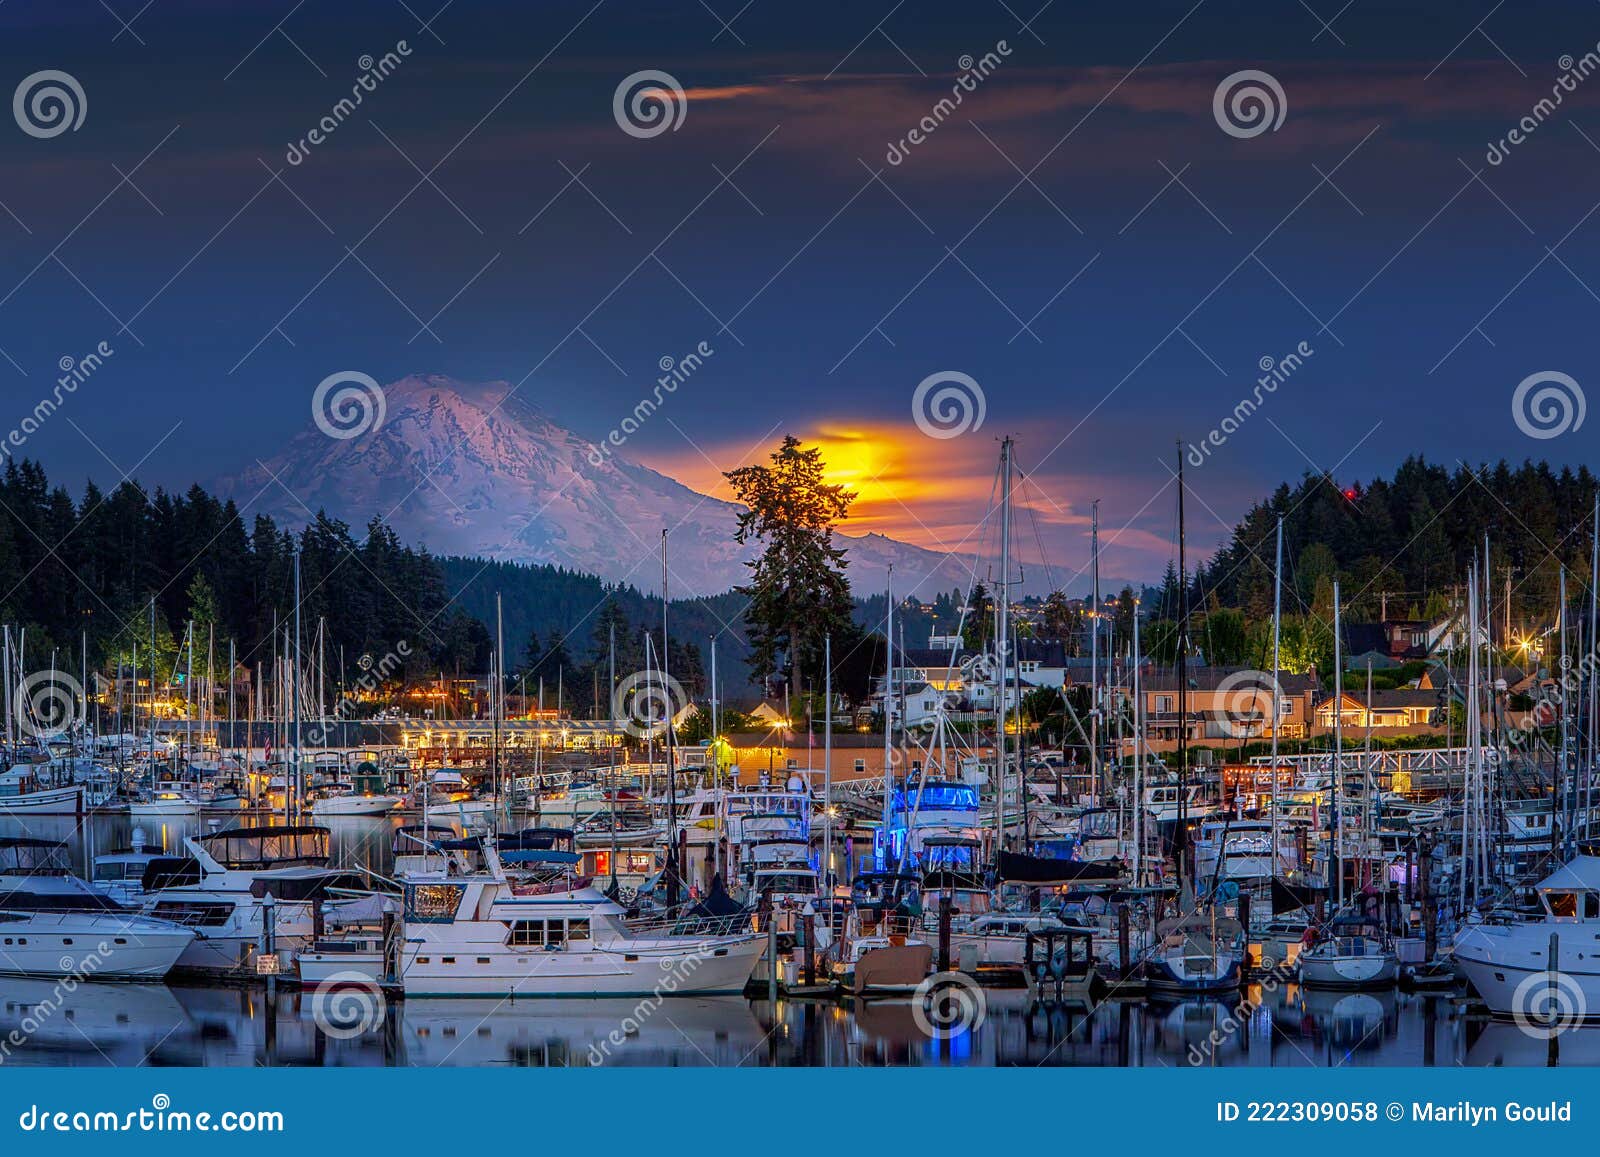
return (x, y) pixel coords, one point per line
(888, 705)
(1277, 674)
(1336, 861)
(1003, 647)
(827, 764)
(1138, 758)
(1094, 647)
(666, 700)
(1180, 838)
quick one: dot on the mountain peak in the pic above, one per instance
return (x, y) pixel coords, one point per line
(470, 468)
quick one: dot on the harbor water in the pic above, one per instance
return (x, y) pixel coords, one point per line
(46, 1022)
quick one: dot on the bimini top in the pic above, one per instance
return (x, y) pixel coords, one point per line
(270, 846)
(1581, 872)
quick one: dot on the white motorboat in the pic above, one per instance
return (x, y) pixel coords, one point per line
(491, 935)
(228, 882)
(1512, 965)
(350, 802)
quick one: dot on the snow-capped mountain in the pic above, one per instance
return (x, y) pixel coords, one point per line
(472, 469)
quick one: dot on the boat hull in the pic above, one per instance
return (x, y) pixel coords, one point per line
(441, 967)
(1498, 961)
(375, 805)
(56, 800)
(90, 945)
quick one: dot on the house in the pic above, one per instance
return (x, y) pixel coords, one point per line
(1225, 704)
(770, 714)
(1398, 639)
(1389, 709)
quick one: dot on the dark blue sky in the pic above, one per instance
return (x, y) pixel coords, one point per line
(529, 251)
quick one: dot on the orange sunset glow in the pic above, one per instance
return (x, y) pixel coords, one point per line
(919, 490)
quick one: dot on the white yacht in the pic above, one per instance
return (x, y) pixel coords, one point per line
(1507, 963)
(491, 935)
(54, 924)
(347, 801)
(221, 888)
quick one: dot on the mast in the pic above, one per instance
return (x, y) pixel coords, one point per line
(1336, 862)
(1138, 758)
(1094, 647)
(1592, 717)
(1556, 772)
(1002, 636)
(888, 706)
(499, 689)
(1277, 674)
(611, 700)
(294, 701)
(152, 711)
(1180, 838)
(827, 763)
(666, 700)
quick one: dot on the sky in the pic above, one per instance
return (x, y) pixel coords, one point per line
(1086, 244)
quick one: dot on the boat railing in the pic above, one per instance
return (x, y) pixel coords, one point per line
(733, 924)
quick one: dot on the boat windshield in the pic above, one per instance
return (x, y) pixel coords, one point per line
(1572, 905)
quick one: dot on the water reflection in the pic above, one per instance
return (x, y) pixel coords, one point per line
(45, 1023)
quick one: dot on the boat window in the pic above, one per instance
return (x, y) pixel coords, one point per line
(577, 929)
(1591, 905)
(1562, 903)
(433, 903)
